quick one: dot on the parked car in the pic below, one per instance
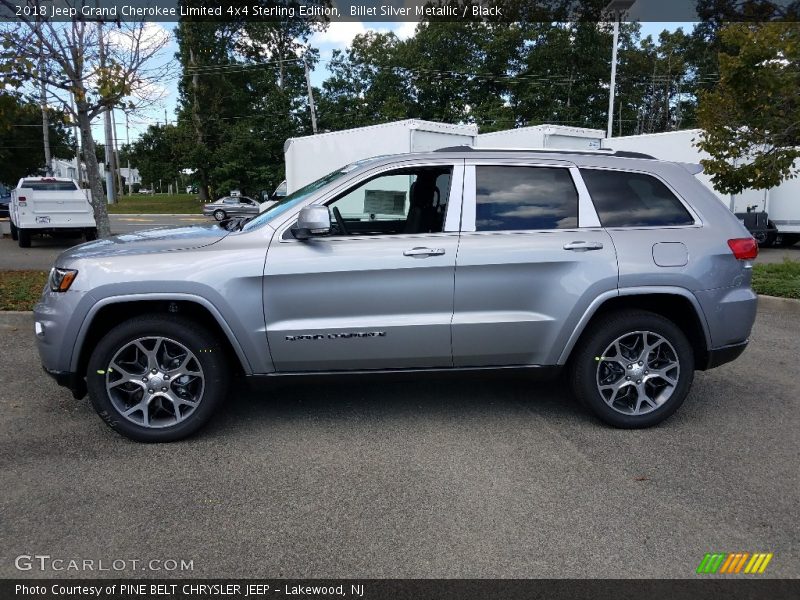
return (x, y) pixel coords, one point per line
(50, 206)
(147, 191)
(5, 201)
(622, 270)
(232, 206)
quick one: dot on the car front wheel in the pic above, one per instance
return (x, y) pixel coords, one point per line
(156, 378)
(633, 369)
(219, 215)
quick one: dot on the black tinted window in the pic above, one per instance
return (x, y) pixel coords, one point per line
(633, 200)
(49, 186)
(510, 198)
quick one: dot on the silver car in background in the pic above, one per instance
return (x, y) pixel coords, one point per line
(232, 206)
(623, 271)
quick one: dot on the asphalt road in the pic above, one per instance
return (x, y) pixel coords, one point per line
(433, 478)
(45, 250)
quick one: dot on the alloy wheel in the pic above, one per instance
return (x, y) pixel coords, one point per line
(638, 372)
(155, 382)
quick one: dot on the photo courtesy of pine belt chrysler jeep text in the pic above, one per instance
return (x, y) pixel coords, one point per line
(623, 269)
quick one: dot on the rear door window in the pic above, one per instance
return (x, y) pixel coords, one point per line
(626, 199)
(523, 198)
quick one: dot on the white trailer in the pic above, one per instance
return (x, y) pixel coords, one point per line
(771, 215)
(309, 158)
(543, 136)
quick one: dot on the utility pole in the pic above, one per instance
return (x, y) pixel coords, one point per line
(310, 97)
(106, 123)
(128, 143)
(616, 8)
(48, 163)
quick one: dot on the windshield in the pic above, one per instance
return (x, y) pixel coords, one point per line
(293, 199)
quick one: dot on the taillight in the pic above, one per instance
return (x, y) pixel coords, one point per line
(744, 248)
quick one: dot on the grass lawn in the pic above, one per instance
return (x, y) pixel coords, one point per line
(20, 290)
(174, 204)
(779, 279)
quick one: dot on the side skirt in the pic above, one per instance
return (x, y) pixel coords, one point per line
(530, 372)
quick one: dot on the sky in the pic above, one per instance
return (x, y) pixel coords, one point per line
(339, 35)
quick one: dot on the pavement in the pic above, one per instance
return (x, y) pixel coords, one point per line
(438, 477)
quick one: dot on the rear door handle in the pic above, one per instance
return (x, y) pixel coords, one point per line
(423, 252)
(583, 246)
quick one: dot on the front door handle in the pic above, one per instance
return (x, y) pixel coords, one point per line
(583, 246)
(423, 252)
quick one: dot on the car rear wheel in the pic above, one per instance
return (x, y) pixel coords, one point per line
(633, 369)
(14, 234)
(156, 378)
(24, 238)
(90, 234)
(220, 215)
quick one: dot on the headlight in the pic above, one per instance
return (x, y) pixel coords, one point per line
(61, 279)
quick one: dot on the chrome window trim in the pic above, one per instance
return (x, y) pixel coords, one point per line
(456, 179)
(698, 222)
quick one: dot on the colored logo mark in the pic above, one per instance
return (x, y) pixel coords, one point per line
(734, 562)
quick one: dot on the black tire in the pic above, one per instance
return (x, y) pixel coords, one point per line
(766, 239)
(207, 351)
(14, 234)
(220, 215)
(585, 365)
(90, 234)
(24, 238)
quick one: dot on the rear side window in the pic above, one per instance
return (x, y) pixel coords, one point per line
(49, 186)
(624, 199)
(519, 198)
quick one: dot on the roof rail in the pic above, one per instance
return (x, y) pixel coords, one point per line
(601, 151)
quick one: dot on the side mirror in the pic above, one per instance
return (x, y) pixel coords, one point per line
(312, 220)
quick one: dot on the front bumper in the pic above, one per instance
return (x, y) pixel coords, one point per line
(72, 381)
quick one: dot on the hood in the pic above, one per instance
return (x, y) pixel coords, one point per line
(162, 239)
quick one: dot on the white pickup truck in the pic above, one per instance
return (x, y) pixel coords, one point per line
(50, 205)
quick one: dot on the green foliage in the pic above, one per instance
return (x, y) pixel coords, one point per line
(778, 279)
(159, 154)
(751, 117)
(21, 145)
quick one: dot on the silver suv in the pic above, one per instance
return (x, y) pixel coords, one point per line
(620, 268)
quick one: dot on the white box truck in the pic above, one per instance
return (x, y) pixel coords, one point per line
(772, 216)
(50, 205)
(543, 136)
(309, 158)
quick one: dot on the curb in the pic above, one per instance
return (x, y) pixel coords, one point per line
(16, 318)
(778, 302)
(157, 215)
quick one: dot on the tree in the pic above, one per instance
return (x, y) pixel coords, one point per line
(751, 120)
(158, 154)
(21, 148)
(80, 65)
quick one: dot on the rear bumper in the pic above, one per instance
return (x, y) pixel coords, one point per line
(726, 354)
(72, 381)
